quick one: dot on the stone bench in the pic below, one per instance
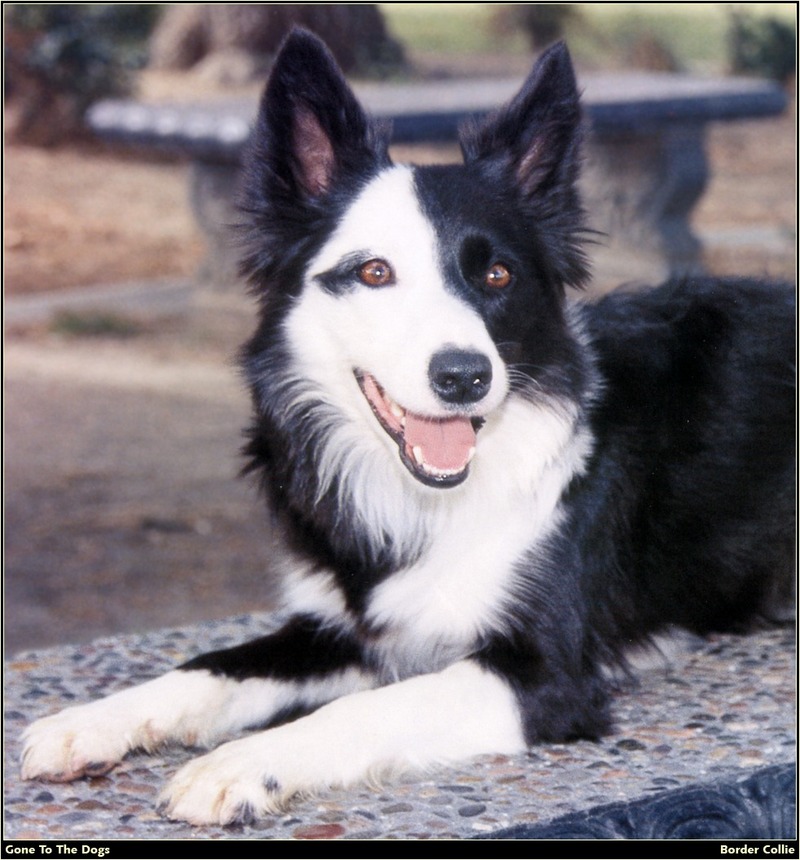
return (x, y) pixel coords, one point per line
(646, 165)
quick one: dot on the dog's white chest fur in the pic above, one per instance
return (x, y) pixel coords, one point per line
(463, 582)
(462, 586)
(467, 540)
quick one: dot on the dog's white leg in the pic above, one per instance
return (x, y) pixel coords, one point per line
(190, 707)
(416, 724)
(302, 665)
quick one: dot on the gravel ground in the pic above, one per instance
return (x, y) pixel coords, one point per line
(717, 714)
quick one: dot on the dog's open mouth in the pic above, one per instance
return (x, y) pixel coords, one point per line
(437, 451)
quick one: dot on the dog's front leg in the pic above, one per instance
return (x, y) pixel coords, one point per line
(299, 667)
(416, 724)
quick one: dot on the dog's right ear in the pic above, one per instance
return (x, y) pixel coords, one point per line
(311, 130)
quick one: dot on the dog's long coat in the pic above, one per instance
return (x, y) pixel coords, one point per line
(489, 494)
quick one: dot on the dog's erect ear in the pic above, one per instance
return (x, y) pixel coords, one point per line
(536, 135)
(311, 129)
(533, 143)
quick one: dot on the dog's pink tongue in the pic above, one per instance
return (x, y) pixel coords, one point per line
(446, 443)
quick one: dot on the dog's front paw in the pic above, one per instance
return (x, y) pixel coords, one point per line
(88, 740)
(69, 745)
(231, 785)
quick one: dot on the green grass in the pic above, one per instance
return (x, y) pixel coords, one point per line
(695, 33)
(449, 28)
(94, 324)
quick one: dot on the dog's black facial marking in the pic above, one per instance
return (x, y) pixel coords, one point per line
(476, 236)
(343, 277)
(484, 229)
(483, 269)
(475, 256)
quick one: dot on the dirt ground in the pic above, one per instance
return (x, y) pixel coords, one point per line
(77, 216)
(123, 511)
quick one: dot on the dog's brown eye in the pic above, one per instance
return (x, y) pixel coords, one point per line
(497, 277)
(376, 273)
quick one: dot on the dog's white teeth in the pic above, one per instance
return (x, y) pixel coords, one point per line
(398, 412)
(416, 452)
(471, 453)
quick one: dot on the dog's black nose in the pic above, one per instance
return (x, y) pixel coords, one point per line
(460, 376)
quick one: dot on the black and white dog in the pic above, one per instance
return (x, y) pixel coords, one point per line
(490, 495)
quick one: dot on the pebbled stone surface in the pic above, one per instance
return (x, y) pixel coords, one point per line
(719, 716)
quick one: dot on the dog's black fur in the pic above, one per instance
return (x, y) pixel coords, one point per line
(685, 514)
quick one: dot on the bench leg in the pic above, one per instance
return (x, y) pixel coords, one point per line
(640, 189)
(212, 192)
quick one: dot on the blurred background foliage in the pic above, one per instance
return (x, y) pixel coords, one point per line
(707, 38)
(59, 58)
(762, 46)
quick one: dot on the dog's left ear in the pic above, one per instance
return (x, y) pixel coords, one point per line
(535, 138)
(533, 144)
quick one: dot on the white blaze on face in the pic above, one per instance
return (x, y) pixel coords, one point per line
(390, 333)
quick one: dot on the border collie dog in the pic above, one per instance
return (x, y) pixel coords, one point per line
(489, 494)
